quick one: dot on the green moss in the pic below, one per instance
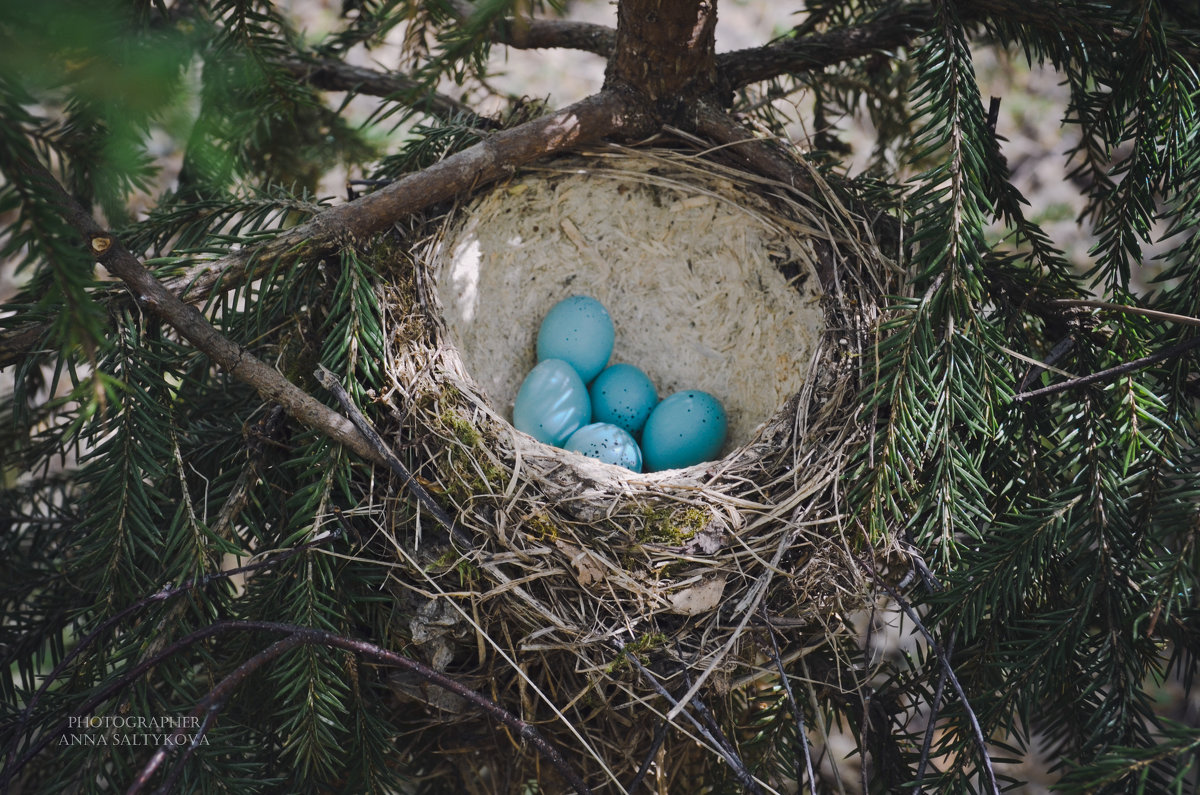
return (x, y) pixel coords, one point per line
(468, 572)
(464, 431)
(671, 527)
(473, 471)
(541, 528)
(639, 648)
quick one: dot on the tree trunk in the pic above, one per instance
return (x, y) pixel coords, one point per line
(665, 54)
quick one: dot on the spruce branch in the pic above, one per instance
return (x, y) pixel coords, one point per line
(899, 26)
(167, 592)
(190, 323)
(493, 158)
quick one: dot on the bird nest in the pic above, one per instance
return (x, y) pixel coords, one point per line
(587, 586)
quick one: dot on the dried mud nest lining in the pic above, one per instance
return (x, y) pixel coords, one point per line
(571, 557)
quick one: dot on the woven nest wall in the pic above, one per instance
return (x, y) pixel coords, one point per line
(715, 280)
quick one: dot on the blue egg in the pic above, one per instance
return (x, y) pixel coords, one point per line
(552, 403)
(685, 429)
(607, 443)
(624, 396)
(577, 330)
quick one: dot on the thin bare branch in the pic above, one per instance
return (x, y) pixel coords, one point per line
(1169, 352)
(801, 733)
(329, 74)
(297, 635)
(535, 34)
(943, 658)
(739, 767)
(810, 53)
(1170, 317)
(209, 706)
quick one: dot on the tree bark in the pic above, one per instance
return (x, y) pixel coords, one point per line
(665, 54)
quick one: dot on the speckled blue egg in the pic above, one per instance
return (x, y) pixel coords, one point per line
(608, 443)
(685, 429)
(577, 330)
(552, 403)
(624, 396)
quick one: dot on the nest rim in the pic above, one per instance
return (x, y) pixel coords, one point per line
(574, 552)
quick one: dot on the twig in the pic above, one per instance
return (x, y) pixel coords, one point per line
(660, 736)
(702, 709)
(1112, 372)
(330, 74)
(1186, 320)
(177, 771)
(944, 661)
(931, 582)
(865, 699)
(330, 382)
(108, 691)
(1057, 352)
(208, 707)
(739, 767)
(934, 707)
(801, 733)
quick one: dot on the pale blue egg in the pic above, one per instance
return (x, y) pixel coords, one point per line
(552, 403)
(577, 330)
(685, 429)
(608, 443)
(624, 396)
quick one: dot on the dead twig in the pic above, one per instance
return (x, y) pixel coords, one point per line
(1169, 352)
(801, 732)
(422, 495)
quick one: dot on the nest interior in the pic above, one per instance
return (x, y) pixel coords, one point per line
(706, 290)
(711, 276)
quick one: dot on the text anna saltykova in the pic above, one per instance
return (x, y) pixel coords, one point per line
(141, 730)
